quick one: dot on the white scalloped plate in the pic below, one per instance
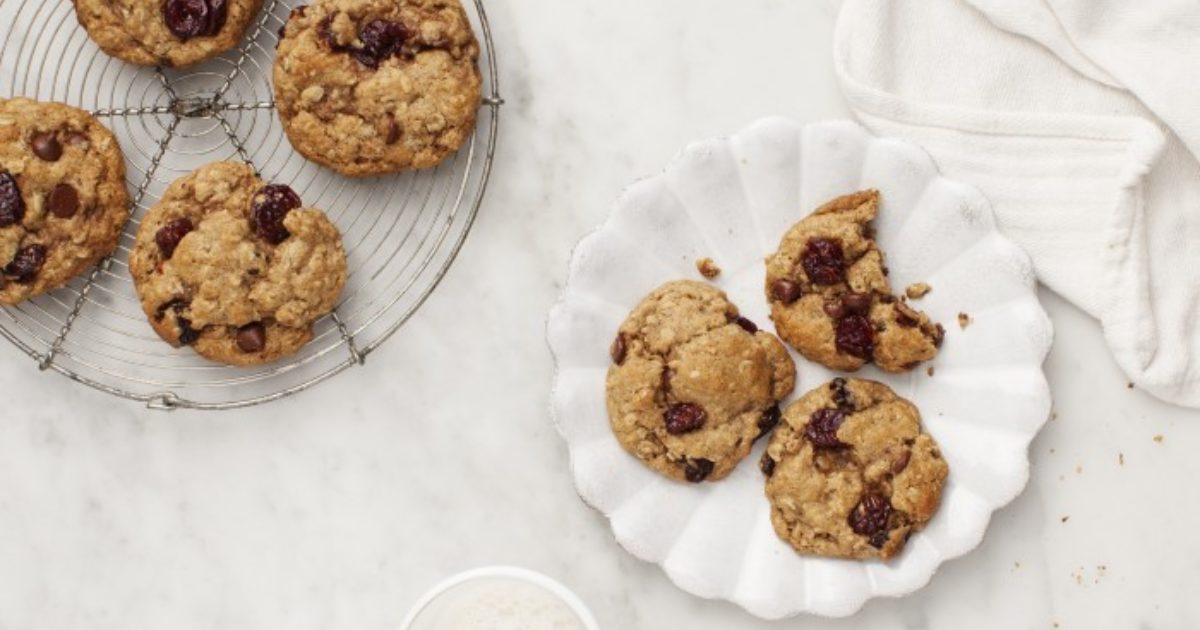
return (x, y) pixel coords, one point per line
(732, 199)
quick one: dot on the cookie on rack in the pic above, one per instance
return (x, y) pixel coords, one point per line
(693, 384)
(63, 201)
(169, 33)
(236, 268)
(368, 87)
(851, 473)
(831, 299)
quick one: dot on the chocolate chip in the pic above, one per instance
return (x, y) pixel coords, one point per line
(769, 420)
(823, 261)
(252, 337)
(857, 303)
(785, 291)
(174, 305)
(24, 267)
(901, 463)
(187, 334)
(12, 206)
(684, 418)
(879, 539)
(746, 325)
(939, 335)
(169, 235)
(834, 309)
(822, 428)
(697, 470)
(766, 464)
(63, 201)
(856, 337)
(269, 208)
(871, 515)
(394, 131)
(46, 146)
(618, 349)
(841, 395)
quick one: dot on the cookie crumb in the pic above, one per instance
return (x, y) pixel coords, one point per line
(1158, 438)
(708, 268)
(917, 290)
(929, 370)
(964, 320)
(1078, 469)
(1065, 519)
(1130, 385)
(1120, 459)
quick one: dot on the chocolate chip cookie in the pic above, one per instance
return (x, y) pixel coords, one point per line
(170, 33)
(236, 268)
(693, 384)
(63, 200)
(850, 474)
(367, 87)
(830, 297)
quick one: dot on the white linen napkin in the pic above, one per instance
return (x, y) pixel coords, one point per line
(1080, 120)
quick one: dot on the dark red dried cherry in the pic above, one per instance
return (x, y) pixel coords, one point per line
(25, 266)
(268, 210)
(871, 515)
(169, 235)
(823, 261)
(684, 418)
(12, 206)
(823, 426)
(697, 470)
(856, 337)
(194, 18)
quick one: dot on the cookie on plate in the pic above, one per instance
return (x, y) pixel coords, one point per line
(169, 33)
(830, 297)
(850, 473)
(367, 87)
(693, 384)
(236, 268)
(63, 200)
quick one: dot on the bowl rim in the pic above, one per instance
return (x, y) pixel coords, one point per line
(529, 576)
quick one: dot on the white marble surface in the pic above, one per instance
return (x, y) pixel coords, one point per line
(335, 510)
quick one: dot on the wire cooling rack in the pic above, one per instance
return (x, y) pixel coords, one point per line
(401, 232)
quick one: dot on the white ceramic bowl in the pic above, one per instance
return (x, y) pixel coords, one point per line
(545, 583)
(732, 199)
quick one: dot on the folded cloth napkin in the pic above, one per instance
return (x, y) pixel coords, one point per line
(1080, 120)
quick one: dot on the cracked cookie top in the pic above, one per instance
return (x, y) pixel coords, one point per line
(693, 384)
(63, 201)
(236, 268)
(850, 473)
(831, 299)
(171, 33)
(367, 87)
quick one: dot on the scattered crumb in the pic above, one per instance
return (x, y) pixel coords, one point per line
(1078, 470)
(964, 320)
(1130, 385)
(1052, 450)
(1120, 459)
(1055, 624)
(917, 290)
(1065, 519)
(1016, 564)
(929, 370)
(1053, 416)
(708, 268)
(1158, 438)
(1062, 477)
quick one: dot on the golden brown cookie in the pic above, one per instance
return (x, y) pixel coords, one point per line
(830, 297)
(63, 200)
(693, 384)
(368, 87)
(170, 33)
(850, 474)
(235, 268)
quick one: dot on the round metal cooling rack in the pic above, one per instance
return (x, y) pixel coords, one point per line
(401, 232)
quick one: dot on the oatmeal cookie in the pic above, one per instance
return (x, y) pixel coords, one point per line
(63, 200)
(235, 268)
(693, 384)
(830, 297)
(367, 87)
(169, 33)
(850, 474)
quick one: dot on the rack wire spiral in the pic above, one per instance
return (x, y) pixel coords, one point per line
(401, 232)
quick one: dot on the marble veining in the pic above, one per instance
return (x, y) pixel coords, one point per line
(338, 508)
